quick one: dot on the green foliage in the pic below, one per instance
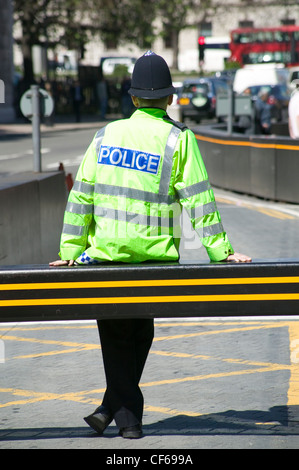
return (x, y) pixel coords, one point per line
(232, 65)
(73, 23)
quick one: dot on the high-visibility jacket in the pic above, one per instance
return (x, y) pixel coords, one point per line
(129, 191)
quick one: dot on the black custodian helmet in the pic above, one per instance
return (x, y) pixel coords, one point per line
(151, 77)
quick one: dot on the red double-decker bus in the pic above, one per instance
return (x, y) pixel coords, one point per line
(265, 45)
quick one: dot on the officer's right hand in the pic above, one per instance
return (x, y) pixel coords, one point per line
(239, 258)
(62, 262)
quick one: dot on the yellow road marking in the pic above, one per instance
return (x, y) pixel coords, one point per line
(171, 411)
(28, 396)
(254, 326)
(272, 368)
(55, 353)
(80, 396)
(78, 347)
(293, 391)
(158, 324)
(46, 396)
(267, 365)
(45, 341)
(42, 328)
(215, 332)
(276, 213)
(72, 347)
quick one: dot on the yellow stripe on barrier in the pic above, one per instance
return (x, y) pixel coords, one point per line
(246, 143)
(151, 283)
(148, 299)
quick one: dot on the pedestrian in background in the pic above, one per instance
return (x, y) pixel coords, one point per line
(102, 93)
(263, 113)
(125, 206)
(77, 99)
(127, 106)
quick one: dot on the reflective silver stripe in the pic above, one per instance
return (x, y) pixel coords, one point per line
(194, 189)
(133, 218)
(167, 160)
(99, 138)
(83, 187)
(74, 230)
(201, 211)
(132, 193)
(81, 209)
(210, 230)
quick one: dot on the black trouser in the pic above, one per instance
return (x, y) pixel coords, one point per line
(125, 346)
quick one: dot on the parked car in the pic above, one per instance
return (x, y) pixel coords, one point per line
(178, 90)
(259, 75)
(293, 75)
(279, 97)
(197, 99)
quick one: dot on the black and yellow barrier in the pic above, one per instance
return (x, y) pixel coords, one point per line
(40, 293)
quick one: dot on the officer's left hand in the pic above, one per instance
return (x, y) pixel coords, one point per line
(62, 262)
(238, 258)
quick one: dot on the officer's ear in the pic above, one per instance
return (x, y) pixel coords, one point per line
(135, 101)
(170, 100)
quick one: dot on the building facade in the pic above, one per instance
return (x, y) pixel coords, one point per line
(216, 26)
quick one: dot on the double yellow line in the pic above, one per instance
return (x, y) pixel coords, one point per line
(149, 298)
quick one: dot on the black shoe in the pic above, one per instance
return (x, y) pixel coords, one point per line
(132, 432)
(99, 419)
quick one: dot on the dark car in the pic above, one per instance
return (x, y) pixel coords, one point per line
(197, 99)
(279, 97)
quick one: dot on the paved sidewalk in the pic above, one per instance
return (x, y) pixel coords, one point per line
(62, 123)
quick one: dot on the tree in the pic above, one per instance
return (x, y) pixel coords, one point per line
(29, 15)
(182, 14)
(125, 21)
(73, 22)
(47, 23)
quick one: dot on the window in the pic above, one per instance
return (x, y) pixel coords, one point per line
(246, 24)
(288, 21)
(205, 29)
(167, 36)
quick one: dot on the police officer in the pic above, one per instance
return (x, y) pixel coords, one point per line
(125, 206)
